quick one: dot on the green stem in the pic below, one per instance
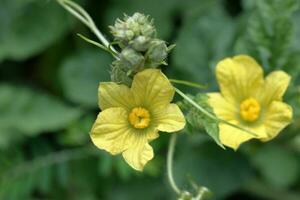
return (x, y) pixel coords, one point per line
(188, 83)
(92, 42)
(201, 194)
(96, 44)
(73, 12)
(210, 115)
(170, 163)
(78, 12)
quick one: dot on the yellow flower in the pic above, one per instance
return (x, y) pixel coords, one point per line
(132, 117)
(247, 100)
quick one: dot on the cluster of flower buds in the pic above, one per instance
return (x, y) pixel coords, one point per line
(140, 49)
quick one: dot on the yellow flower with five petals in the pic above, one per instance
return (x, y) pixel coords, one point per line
(132, 117)
(250, 101)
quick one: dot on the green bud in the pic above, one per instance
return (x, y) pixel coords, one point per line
(140, 43)
(140, 18)
(132, 27)
(132, 59)
(119, 74)
(148, 30)
(157, 52)
(121, 32)
(129, 34)
(136, 36)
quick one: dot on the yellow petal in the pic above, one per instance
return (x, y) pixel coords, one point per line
(111, 94)
(151, 133)
(152, 88)
(139, 152)
(233, 137)
(222, 108)
(275, 86)
(111, 130)
(239, 77)
(230, 136)
(169, 119)
(278, 116)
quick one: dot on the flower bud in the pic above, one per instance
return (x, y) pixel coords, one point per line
(132, 27)
(119, 74)
(140, 18)
(148, 30)
(157, 52)
(131, 59)
(121, 32)
(140, 49)
(140, 43)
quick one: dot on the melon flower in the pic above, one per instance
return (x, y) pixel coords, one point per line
(132, 117)
(249, 101)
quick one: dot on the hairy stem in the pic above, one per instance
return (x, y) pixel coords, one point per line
(170, 163)
(188, 83)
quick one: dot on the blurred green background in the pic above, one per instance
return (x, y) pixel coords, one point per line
(48, 100)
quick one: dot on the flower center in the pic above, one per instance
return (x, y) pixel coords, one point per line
(250, 109)
(139, 118)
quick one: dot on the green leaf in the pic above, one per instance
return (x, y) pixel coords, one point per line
(81, 73)
(296, 38)
(123, 169)
(200, 44)
(78, 132)
(28, 27)
(278, 166)
(222, 172)
(137, 189)
(24, 111)
(269, 32)
(198, 120)
(105, 165)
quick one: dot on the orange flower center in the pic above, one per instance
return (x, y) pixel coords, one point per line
(250, 109)
(139, 118)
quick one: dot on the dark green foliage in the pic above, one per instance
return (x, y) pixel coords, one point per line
(269, 32)
(81, 73)
(223, 172)
(48, 100)
(269, 160)
(200, 44)
(28, 27)
(28, 113)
